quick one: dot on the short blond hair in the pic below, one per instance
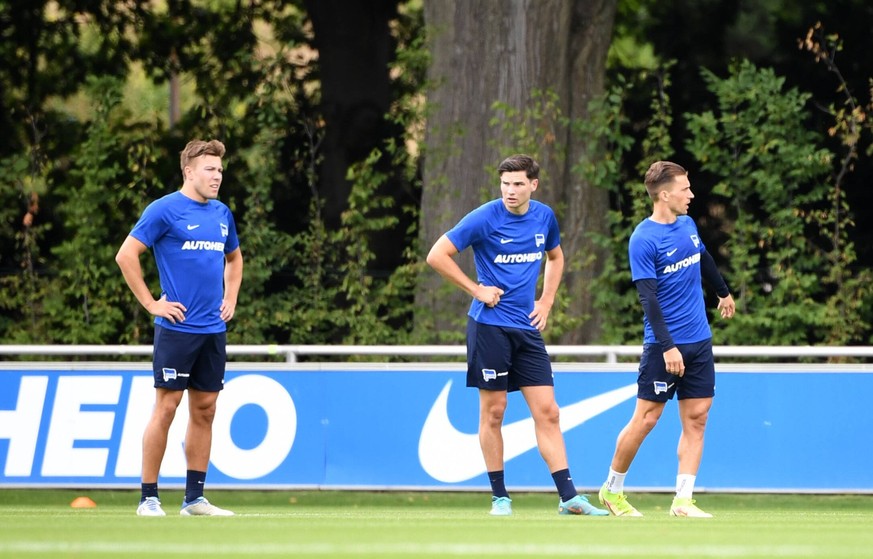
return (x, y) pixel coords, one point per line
(199, 148)
(661, 173)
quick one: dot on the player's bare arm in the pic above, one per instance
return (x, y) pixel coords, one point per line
(128, 259)
(441, 258)
(233, 272)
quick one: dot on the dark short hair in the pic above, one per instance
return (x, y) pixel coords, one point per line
(661, 173)
(520, 162)
(198, 148)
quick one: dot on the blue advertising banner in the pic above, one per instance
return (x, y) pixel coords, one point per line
(413, 426)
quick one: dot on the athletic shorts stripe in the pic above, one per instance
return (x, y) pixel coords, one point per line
(656, 384)
(184, 360)
(503, 358)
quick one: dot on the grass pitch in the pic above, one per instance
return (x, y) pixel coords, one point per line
(40, 523)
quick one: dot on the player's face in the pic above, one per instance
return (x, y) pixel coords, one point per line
(516, 189)
(679, 195)
(204, 175)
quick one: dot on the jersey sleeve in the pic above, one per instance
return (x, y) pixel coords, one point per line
(641, 255)
(693, 226)
(468, 230)
(554, 235)
(152, 224)
(232, 241)
(710, 273)
(648, 294)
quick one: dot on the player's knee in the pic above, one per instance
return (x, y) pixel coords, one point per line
(648, 421)
(550, 414)
(696, 422)
(203, 416)
(493, 414)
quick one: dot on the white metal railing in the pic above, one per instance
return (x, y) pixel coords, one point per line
(607, 353)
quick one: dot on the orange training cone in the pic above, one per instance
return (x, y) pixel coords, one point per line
(83, 503)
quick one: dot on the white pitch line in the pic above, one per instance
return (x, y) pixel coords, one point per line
(410, 549)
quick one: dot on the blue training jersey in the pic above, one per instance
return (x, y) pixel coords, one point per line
(509, 251)
(189, 240)
(670, 254)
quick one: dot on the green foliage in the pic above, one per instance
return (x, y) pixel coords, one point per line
(373, 306)
(786, 224)
(315, 285)
(782, 210)
(261, 311)
(335, 298)
(538, 130)
(87, 301)
(77, 167)
(607, 127)
(22, 181)
(93, 165)
(849, 307)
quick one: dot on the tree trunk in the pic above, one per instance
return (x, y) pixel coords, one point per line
(354, 49)
(487, 51)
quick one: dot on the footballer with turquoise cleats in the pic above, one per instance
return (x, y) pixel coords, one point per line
(668, 261)
(510, 237)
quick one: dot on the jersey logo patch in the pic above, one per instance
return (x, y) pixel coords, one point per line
(540, 239)
(171, 374)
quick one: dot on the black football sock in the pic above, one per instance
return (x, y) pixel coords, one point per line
(498, 488)
(194, 481)
(149, 490)
(564, 483)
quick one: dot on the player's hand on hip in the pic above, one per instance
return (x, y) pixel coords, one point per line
(540, 315)
(227, 310)
(726, 306)
(673, 362)
(171, 310)
(488, 294)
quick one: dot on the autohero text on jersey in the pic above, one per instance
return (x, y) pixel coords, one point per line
(520, 258)
(203, 245)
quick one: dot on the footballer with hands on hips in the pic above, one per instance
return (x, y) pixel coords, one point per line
(194, 241)
(511, 237)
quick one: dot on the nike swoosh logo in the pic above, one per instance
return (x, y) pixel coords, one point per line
(451, 456)
(504, 241)
(192, 227)
(672, 252)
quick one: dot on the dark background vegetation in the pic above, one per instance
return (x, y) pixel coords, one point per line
(326, 109)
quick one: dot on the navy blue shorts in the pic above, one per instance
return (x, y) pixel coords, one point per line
(501, 358)
(656, 384)
(182, 360)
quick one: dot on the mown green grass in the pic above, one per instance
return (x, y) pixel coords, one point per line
(40, 523)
